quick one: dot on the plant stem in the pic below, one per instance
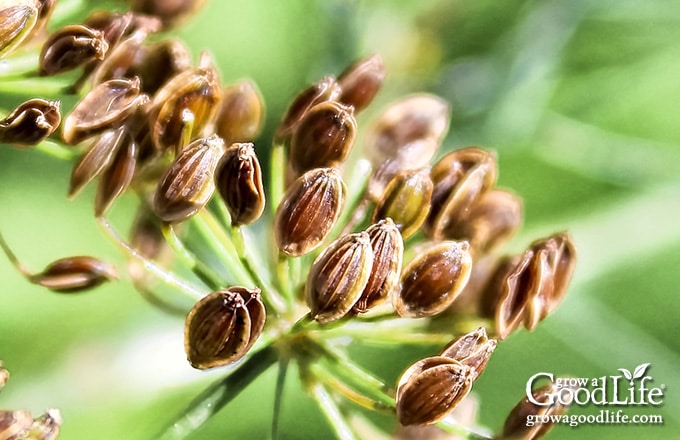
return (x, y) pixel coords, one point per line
(331, 411)
(219, 394)
(278, 396)
(277, 169)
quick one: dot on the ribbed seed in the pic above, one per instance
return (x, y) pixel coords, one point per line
(118, 175)
(471, 349)
(75, 274)
(310, 208)
(71, 47)
(431, 388)
(238, 179)
(338, 277)
(388, 251)
(433, 279)
(241, 113)
(189, 182)
(361, 81)
(406, 200)
(18, 22)
(30, 123)
(97, 159)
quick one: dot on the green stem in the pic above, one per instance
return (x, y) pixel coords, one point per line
(202, 271)
(44, 87)
(166, 277)
(13, 259)
(219, 394)
(18, 66)
(331, 411)
(472, 433)
(278, 396)
(283, 276)
(277, 170)
(56, 150)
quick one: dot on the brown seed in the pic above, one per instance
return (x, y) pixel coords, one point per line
(510, 292)
(184, 106)
(490, 222)
(16, 23)
(310, 208)
(188, 184)
(74, 274)
(460, 178)
(429, 389)
(105, 107)
(30, 123)
(361, 81)
(171, 13)
(517, 425)
(118, 175)
(338, 276)
(323, 137)
(433, 280)
(238, 179)
(406, 200)
(387, 245)
(96, 159)
(223, 326)
(326, 89)
(116, 26)
(241, 113)
(472, 349)
(71, 47)
(403, 130)
(153, 63)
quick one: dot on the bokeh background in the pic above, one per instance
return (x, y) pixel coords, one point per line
(580, 99)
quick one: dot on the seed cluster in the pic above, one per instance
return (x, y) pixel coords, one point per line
(363, 238)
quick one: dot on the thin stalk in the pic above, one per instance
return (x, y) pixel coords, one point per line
(219, 394)
(14, 260)
(206, 274)
(331, 411)
(166, 277)
(56, 150)
(45, 87)
(277, 170)
(469, 432)
(18, 66)
(283, 276)
(278, 396)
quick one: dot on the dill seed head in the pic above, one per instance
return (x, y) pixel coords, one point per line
(30, 122)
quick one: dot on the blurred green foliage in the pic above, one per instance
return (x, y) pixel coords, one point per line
(580, 101)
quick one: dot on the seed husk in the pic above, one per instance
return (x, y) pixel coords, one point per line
(188, 184)
(74, 274)
(223, 326)
(406, 200)
(18, 22)
(387, 245)
(433, 279)
(97, 159)
(361, 81)
(170, 13)
(471, 349)
(238, 179)
(431, 388)
(118, 175)
(71, 47)
(30, 123)
(241, 113)
(310, 208)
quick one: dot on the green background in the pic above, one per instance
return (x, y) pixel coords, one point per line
(578, 98)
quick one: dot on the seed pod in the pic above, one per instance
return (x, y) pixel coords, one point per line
(184, 106)
(459, 178)
(16, 23)
(46, 427)
(516, 425)
(406, 200)
(171, 13)
(223, 326)
(472, 349)
(310, 208)
(361, 81)
(402, 132)
(323, 137)
(115, 26)
(325, 89)
(238, 179)
(491, 221)
(241, 113)
(188, 184)
(96, 159)
(154, 64)
(429, 389)
(14, 424)
(433, 280)
(338, 276)
(388, 251)
(74, 274)
(118, 175)
(71, 47)
(30, 123)
(106, 106)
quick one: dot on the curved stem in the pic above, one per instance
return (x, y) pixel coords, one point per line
(331, 411)
(11, 256)
(219, 394)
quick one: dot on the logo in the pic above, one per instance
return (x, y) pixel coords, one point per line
(629, 388)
